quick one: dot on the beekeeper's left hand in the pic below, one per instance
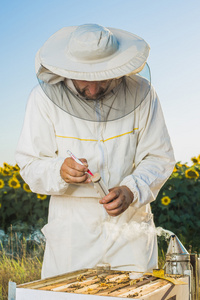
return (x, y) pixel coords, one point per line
(117, 201)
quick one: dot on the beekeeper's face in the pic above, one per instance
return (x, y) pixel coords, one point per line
(91, 89)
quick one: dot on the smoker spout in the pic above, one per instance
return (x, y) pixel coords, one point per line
(176, 247)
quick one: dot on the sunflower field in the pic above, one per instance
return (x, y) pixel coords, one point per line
(177, 207)
(17, 202)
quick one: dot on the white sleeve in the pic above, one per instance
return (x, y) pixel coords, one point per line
(154, 159)
(36, 152)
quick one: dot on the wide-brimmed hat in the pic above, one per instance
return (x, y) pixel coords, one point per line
(92, 52)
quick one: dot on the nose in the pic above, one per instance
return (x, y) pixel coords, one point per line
(93, 88)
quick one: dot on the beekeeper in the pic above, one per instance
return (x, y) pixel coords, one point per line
(95, 99)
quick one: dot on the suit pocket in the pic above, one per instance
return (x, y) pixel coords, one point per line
(56, 230)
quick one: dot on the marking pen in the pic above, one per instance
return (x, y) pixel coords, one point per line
(78, 161)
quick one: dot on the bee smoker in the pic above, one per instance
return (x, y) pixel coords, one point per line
(180, 262)
(177, 257)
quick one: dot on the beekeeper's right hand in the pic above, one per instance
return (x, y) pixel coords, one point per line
(72, 172)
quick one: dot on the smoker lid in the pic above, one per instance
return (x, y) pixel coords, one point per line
(176, 247)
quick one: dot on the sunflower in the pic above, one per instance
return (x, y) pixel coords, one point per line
(26, 188)
(189, 173)
(175, 170)
(14, 183)
(16, 168)
(185, 165)
(42, 197)
(17, 176)
(194, 160)
(165, 200)
(178, 165)
(6, 172)
(0, 205)
(1, 183)
(5, 165)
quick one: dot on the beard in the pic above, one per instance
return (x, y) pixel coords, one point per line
(85, 93)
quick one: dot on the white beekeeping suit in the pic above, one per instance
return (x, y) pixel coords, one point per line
(122, 135)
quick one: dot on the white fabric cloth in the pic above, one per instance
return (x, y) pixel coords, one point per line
(134, 151)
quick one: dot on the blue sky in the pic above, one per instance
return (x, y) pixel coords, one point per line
(171, 27)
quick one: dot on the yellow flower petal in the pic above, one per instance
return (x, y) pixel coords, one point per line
(26, 188)
(41, 197)
(1, 183)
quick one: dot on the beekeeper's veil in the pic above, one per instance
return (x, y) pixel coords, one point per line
(94, 53)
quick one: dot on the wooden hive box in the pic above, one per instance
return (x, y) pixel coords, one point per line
(87, 285)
